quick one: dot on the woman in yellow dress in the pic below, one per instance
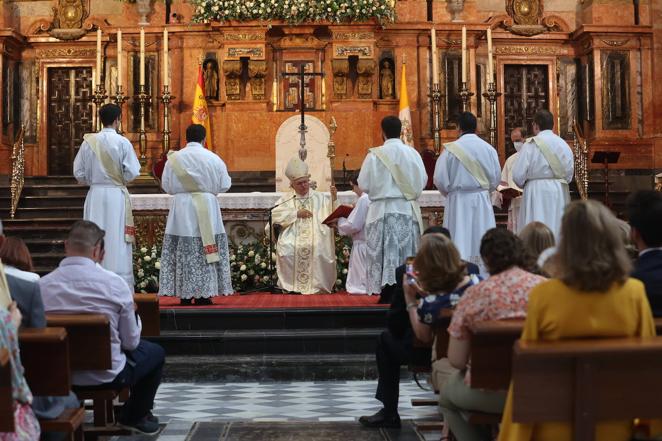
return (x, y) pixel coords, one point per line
(592, 297)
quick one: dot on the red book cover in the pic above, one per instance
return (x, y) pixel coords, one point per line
(341, 211)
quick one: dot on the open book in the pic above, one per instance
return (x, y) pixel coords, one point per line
(5, 298)
(341, 211)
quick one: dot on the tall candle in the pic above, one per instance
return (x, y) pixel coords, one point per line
(142, 56)
(323, 79)
(435, 61)
(490, 65)
(119, 58)
(274, 90)
(166, 76)
(98, 56)
(464, 54)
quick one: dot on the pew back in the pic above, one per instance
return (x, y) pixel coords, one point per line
(45, 357)
(492, 353)
(148, 310)
(587, 381)
(89, 339)
(6, 399)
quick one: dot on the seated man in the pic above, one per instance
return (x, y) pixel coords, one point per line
(305, 251)
(645, 215)
(80, 286)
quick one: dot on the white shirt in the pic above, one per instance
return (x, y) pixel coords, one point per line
(353, 225)
(531, 164)
(20, 274)
(88, 168)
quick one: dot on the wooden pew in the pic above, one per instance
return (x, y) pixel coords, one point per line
(6, 400)
(89, 349)
(584, 382)
(45, 357)
(148, 310)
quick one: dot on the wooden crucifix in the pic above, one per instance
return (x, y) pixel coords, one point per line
(302, 74)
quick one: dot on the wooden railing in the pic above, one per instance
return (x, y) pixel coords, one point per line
(580, 147)
(17, 171)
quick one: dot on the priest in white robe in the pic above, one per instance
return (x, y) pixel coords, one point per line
(394, 177)
(195, 262)
(466, 173)
(305, 250)
(353, 225)
(517, 138)
(544, 168)
(107, 162)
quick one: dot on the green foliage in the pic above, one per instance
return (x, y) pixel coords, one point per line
(295, 11)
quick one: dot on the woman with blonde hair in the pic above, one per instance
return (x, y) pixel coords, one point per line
(593, 297)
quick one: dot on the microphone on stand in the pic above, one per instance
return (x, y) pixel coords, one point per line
(344, 169)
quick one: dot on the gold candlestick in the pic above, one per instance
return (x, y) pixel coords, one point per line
(436, 117)
(98, 98)
(465, 95)
(492, 96)
(166, 98)
(143, 100)
(119, 98)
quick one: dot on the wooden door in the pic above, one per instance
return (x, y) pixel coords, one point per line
(70, 115)
(526, 90)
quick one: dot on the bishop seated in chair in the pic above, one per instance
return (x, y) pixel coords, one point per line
(305, 249)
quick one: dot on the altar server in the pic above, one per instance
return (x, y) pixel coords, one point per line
(305, 250)
(357, 274)
(394, 177)
(107, 162)
(544, 168)
(195, 262)
(517, 137)
(466, 173)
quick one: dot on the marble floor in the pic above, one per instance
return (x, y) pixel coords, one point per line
(193, 411)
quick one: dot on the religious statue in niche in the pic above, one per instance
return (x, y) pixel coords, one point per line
(386, 80)
(210, 76)
(365, 69)
(292, 85)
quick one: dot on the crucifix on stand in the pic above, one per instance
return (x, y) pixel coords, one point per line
(302, 74)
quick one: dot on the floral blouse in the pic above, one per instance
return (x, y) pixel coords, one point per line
(9, 341)
(430, 305)
(502, 296)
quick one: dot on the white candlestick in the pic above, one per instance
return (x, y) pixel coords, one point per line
(464, 54)
(490, 65)
(435, 61)
(98, 56)
(142, 56)
(119, 58)
(166, 76)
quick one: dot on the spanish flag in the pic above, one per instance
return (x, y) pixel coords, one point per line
(406, 135)
(200, 109)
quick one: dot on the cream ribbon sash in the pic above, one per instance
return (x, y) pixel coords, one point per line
(554, 163)
(402, 182)
(201, 207)
(472, 165)
(114, 172)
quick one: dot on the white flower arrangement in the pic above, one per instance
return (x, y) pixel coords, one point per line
(295, 11)
(146, 267)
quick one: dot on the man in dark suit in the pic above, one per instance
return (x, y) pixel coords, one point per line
(28, 298)
(395, 347)
(645, 216)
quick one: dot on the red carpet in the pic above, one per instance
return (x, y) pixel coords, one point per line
(280, 301)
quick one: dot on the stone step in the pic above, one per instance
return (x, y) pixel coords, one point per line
(270, 341)
(200, 319)
(36, 213)
(242, 368)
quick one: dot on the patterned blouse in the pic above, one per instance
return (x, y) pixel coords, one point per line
(430, 306)
(502, 296)
(9, 341)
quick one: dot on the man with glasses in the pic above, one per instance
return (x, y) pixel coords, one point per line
(80, 286)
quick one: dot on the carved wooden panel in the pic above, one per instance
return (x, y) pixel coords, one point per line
(452, 63)
(615, 90)
(69, 115)
(526, 90)
(291, 86)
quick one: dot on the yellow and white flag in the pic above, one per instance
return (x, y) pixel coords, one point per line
(407, 134)
(200, 110)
